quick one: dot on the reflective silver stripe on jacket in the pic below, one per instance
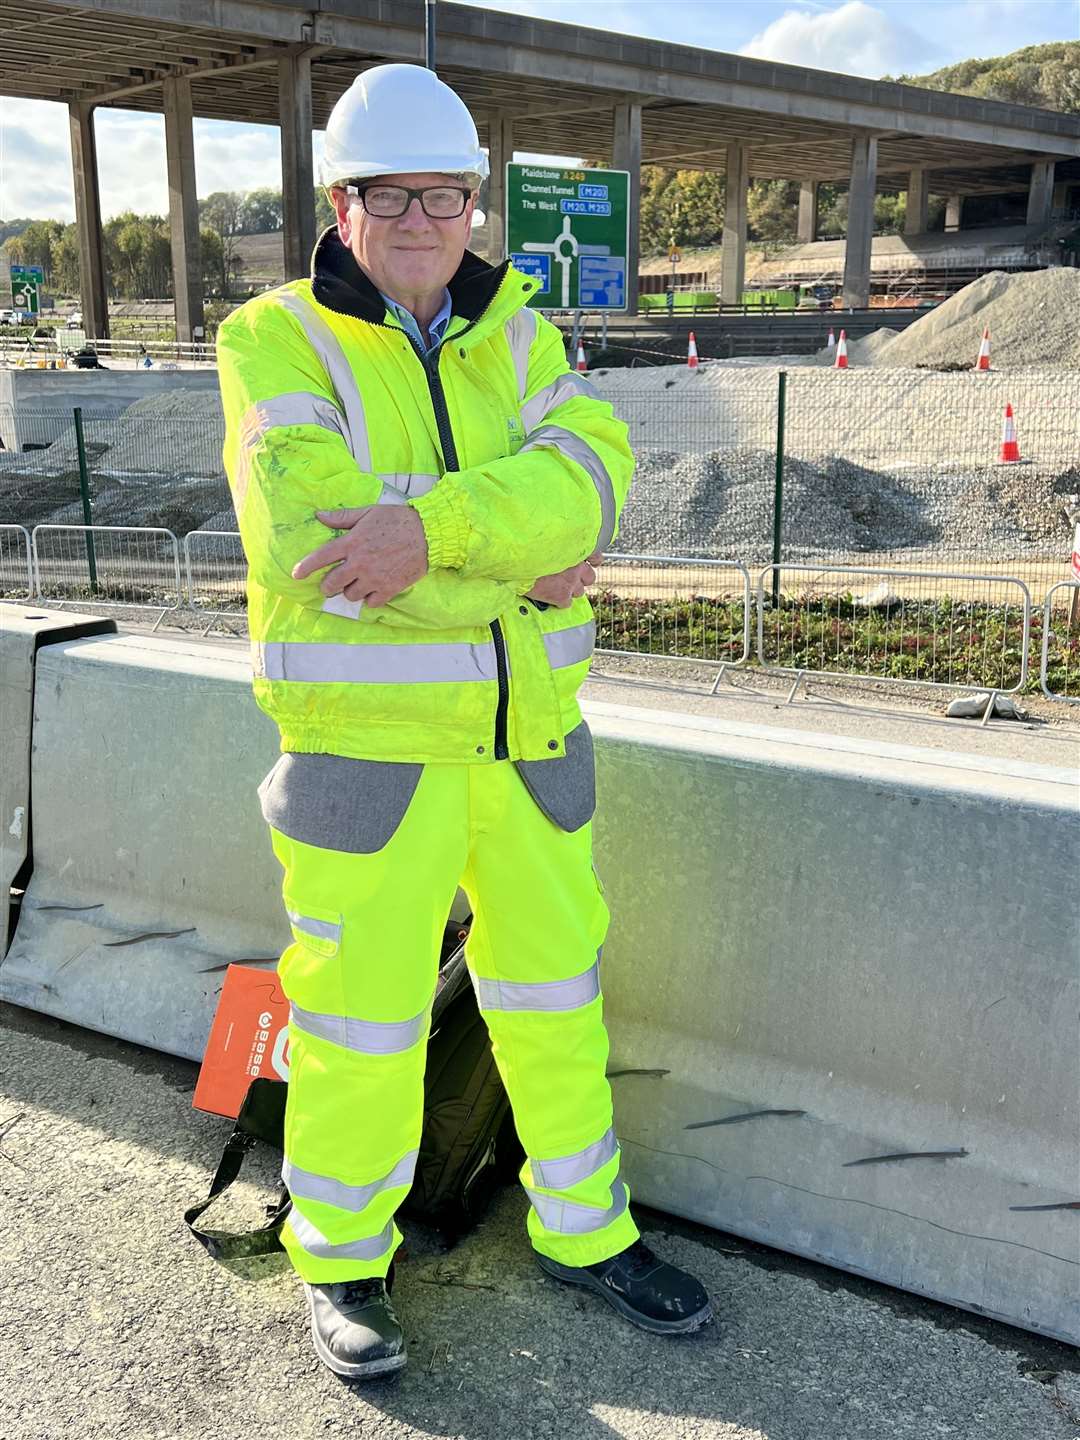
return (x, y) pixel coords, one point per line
(326, 346)
(570, 646)
(570, 1170)
(567, 443)
(322, 929)
(564, 388)
(369, 1037)
(540, 994)
(521, 332)
(432, 664)
(566, 1217)
(296, 407)
(317, 1245)
(309, 1186)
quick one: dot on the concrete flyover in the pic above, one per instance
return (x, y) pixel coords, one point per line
(532, 85)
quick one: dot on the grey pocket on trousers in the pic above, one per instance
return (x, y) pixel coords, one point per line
(336, 803)
(564, 789)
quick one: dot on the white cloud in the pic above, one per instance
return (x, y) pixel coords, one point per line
(35, 160)
(854, 39)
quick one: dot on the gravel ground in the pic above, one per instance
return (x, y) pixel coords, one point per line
(119, 1325)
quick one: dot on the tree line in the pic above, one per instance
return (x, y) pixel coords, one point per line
(138, 258)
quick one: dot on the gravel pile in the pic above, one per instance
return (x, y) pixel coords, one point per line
(1034, 320)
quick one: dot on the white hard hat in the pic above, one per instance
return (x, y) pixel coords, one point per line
(400, 119)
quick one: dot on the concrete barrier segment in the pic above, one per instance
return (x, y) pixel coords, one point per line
(24, 628)
(840, 982)
(842, 986)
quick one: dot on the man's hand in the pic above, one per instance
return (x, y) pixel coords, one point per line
(383, 552)
(562, 589)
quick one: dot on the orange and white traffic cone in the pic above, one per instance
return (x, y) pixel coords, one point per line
(691, 353)
(582, 363)
(841, 351)
(983, 362)
(832, 338)
(1010, 449)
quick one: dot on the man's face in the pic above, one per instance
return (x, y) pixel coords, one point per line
(413, 254)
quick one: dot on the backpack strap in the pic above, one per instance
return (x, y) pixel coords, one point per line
(261, 1118)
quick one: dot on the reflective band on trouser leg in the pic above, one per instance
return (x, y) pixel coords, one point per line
(533, 951)
(567, 443)
(359, 977)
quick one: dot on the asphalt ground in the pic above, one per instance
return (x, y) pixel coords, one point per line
(114, 1323)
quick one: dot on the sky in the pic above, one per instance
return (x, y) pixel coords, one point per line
(851, 37)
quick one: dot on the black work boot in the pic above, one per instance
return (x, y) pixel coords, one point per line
(354, 1327)
(651, 1293)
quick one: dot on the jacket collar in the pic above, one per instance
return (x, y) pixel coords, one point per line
(338, 282)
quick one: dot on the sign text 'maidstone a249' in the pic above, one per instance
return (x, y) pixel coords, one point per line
(568, 230)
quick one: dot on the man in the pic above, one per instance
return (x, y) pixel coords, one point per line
(419, 479)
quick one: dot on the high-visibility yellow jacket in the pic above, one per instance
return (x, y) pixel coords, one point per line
(514, 465)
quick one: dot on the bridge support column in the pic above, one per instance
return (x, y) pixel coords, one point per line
(297, 175)
(860, 221)
(954, 211)
(733, 246)
(806, 233)
(1041, 193)
(916, 206)
(92, 288)
(183, 210)
(626, 155)
(500, 153)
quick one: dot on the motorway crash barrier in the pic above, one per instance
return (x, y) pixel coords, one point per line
(23, 629)
(841, 979)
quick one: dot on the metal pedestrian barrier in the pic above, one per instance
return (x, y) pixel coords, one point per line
(16, 563)
(909, 627)
(675, 607)
(215, 572)
(108, 566)
(1065, 646)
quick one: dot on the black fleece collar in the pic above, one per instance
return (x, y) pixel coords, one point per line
(338, 282)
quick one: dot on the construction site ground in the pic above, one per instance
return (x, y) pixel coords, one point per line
(118, 1324)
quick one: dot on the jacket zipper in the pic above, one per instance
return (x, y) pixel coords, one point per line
(450, 462)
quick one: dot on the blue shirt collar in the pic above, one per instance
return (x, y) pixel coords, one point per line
(409, 324)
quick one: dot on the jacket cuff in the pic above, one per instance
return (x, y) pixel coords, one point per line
(445, 527)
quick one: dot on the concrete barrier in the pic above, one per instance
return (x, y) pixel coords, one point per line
(841, 980)
(23, 629)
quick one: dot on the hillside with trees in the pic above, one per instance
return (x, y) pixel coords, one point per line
(1047, 76)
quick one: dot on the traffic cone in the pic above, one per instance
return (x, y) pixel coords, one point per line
(691, 353)
(841, 351)
(832, 338)
(582, 363)
(1010, 450)
(983, 362)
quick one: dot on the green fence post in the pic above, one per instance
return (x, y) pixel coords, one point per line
(84, 486)
(778, 494)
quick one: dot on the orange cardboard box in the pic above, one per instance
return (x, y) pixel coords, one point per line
(248, 1039)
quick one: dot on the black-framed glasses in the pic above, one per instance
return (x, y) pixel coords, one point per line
(387, 202)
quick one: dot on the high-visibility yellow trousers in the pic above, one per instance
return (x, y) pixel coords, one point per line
(360, 977)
